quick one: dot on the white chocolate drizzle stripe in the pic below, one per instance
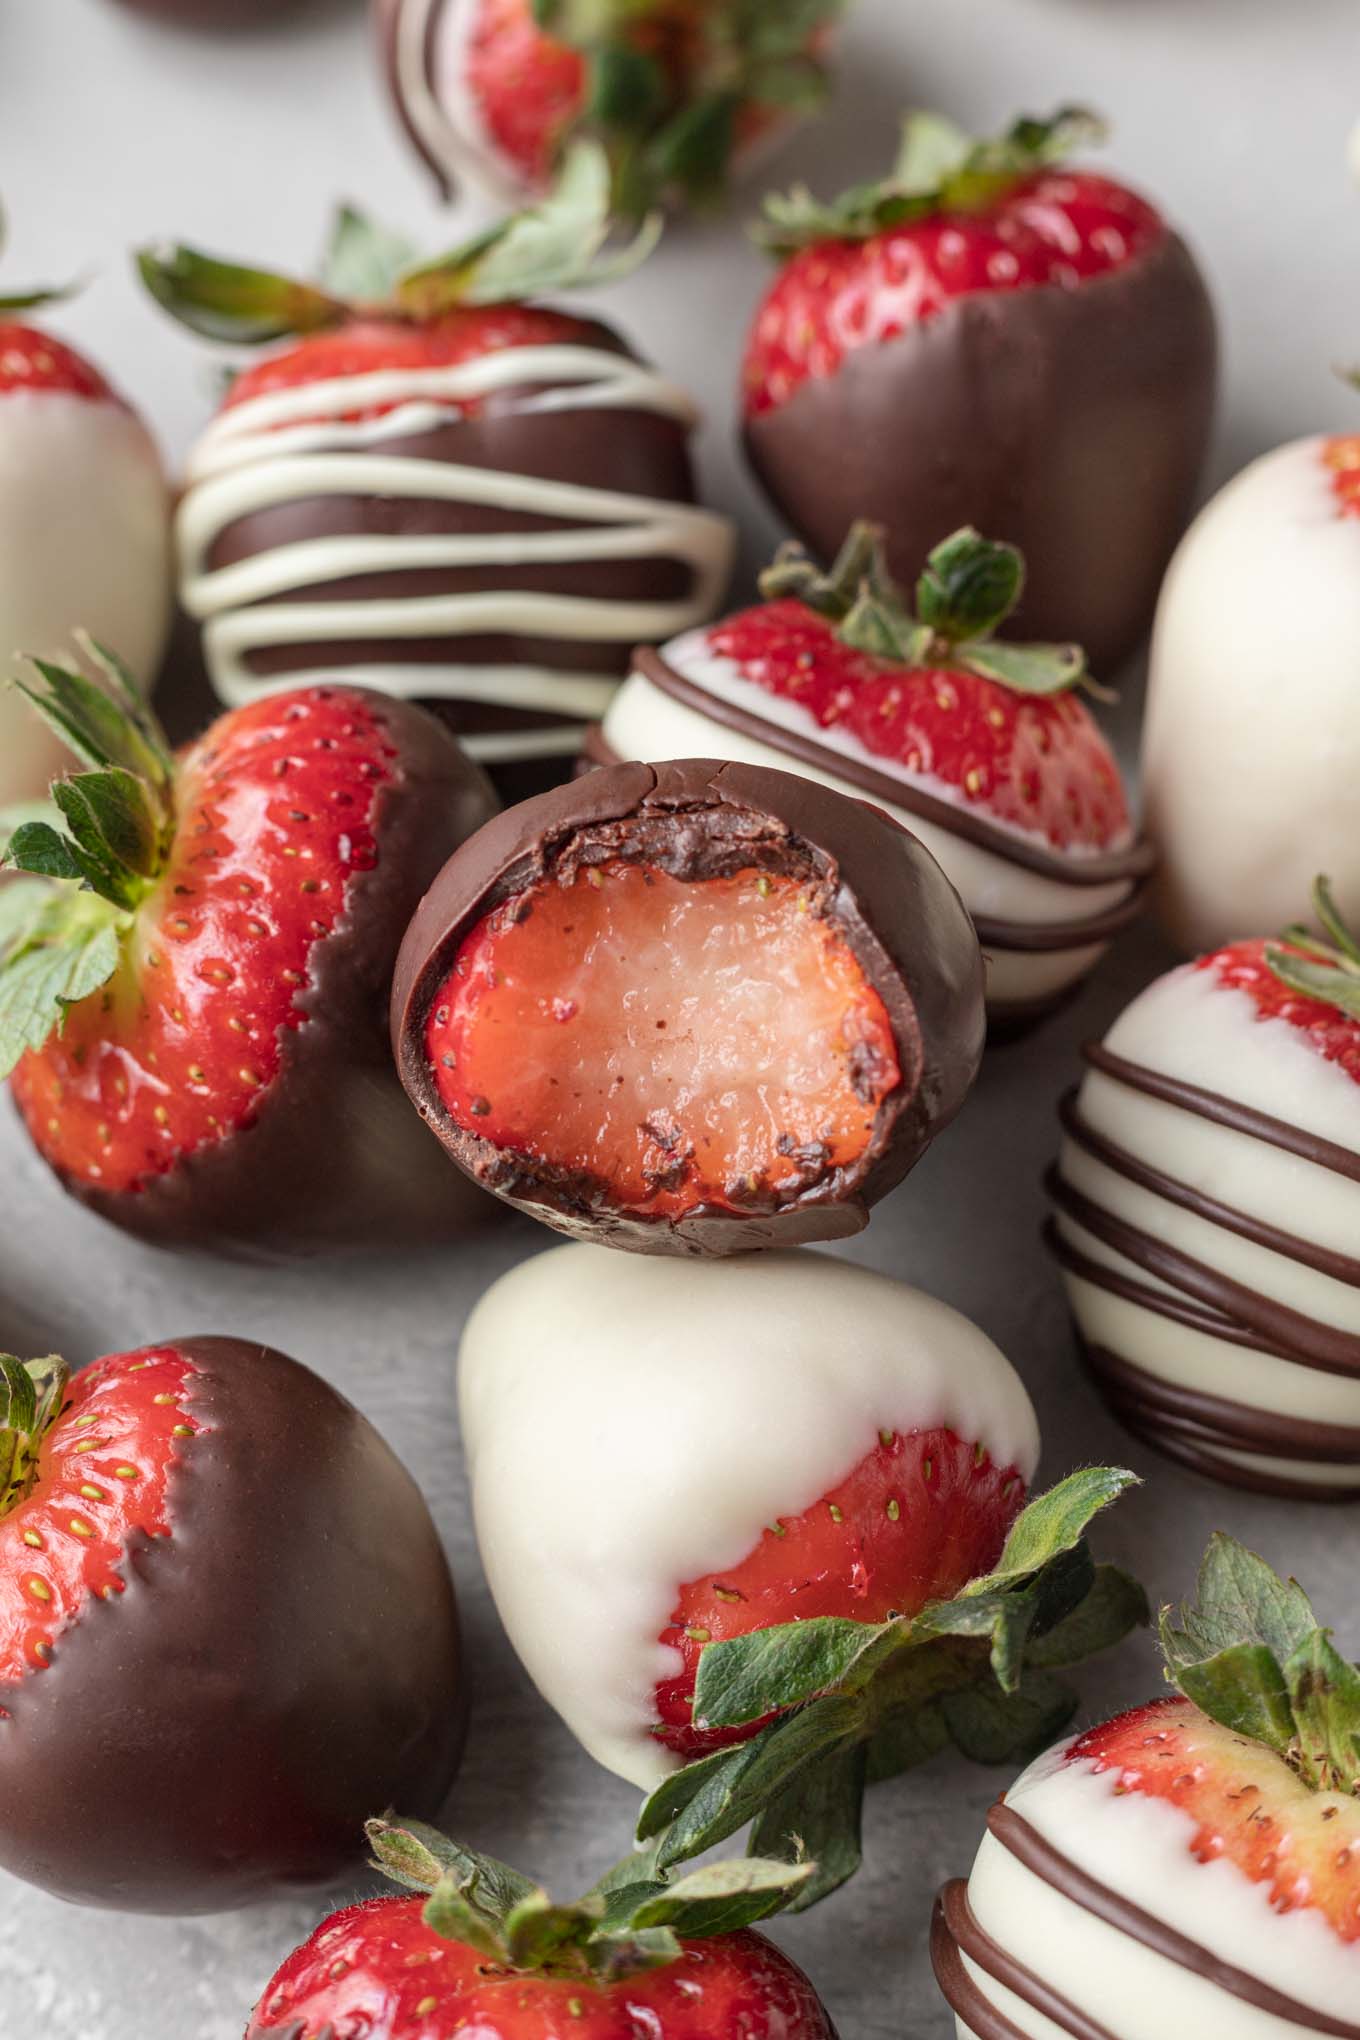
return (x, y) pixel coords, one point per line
(576, 694)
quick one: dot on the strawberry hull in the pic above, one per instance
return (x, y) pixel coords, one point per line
(219, 1729)
(894, 926)
(1072, 422)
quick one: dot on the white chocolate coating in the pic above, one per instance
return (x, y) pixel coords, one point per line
(84, 544)
(1251, 747)
(290, 445)
(645, 723)
(1141, 1848)
(633, 1424)
(431, 82)
(1189, 1026)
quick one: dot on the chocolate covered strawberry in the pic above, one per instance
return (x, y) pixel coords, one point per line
(995, 336)
(1192, 1866)
(227, 1628)
(488, 1952)
(192, 977)
(676, 89)
(769, 1514)
(440, 486)
(982, 748)
(84, 525)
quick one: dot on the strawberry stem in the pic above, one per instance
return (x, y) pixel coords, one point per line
(31, 1397)
(1326, 970)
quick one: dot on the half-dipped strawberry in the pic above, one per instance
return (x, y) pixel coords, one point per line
(690, 1008)
(494, 90)
(84, 525)
(487, 1952)
(982, 749)
(440, 486)
(227, 1628)
(193, 976)
(1192, 1866)
(989, 336)
(707, 1495)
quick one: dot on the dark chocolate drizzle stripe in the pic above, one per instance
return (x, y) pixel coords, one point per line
(1134, 863)
(1198, 1317)
(1218, 1421)
(1049, 1864)
(1324, 1260)
(1229, 1112)
(1225, 1472)
(1292, 1336)
(955, 1932)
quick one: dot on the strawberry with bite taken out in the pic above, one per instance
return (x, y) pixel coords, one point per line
(982, 748)
(1199, 1856)
(193, 971)
(196, 1628)
(675, 89)
(989, 334)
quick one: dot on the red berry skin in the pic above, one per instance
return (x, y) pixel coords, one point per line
(1243, 967)
(230, 1086)
(217, 1726)
(529, 89)
(34, 363)
(377, 1972)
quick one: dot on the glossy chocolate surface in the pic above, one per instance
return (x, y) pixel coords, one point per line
(698, 819)
(283, 1665)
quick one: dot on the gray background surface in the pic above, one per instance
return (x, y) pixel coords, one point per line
(1235, 114)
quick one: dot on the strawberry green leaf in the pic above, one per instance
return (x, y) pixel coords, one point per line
(1238, 1600)
(990, 1726)
(231, 302)
(31, 1396)
(1324, 1697)
(53, 959)
(906, 1734)
(538, 1933)
(108, 724)
(731, 1788)
(1114, 1606)
(1027, 669)
(41, 850)
(1244, 1688)
(818, 1816)
(721, 1898)
(970, 585)
(33, 299)
(746, 1677)
(626, 88)
(1330, 968)
(112, 819)
(419, 1856)
(447, 1913)
(1055, 1522)
(363, 260)
(611, 1958)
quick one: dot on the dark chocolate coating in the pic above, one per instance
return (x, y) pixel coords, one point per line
(386, 21)
(332, 1158)
(698, 818)
(282, 1666)
(1073, 423)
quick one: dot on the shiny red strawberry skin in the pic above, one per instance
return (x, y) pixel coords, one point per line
(528, 88)
(34, 362)
(1243, 966)
(1342, 456)
(103, 1475)
(276, 806)
(1036, 763)
(377, 1972)
(920, 1516)
(1060, 228)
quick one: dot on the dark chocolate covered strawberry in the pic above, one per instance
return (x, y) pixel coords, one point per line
(690, 1008)
(193, 975)
(440, 486)
(982, 748)
(227, 1628)
(494, 90)
(1195, 1861)
(989, 336)
(480, 1949)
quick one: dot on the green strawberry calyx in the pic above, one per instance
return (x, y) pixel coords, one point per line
(970, 586)
(1325, 967)
(560, 243)
(632, 1919)
(32, 1393)
(939, 169)
(36, 295)
(1250, 1653)
(854, 1702)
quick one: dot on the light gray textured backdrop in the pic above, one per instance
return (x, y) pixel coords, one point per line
(1235, 114)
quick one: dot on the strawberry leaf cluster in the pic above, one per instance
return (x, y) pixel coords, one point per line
(1325, 969)
(633, 1919)
(855, 1702)
(1250, 1653)
(31, 1397)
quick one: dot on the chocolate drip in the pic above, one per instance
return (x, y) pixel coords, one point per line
(954, 1933)
(1049, 1864)
(1229, 1112)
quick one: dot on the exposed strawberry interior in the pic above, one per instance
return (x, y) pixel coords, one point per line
(679, 1043)
(1332, 1033)
(1060, 227)
(371, 346)
(30, 360)
(377, 1970)
(1343, 458)
(528, 87)
(276, 808)
(1039, 764)
(103, 1473)
(914, 1521)
(1246, 1804)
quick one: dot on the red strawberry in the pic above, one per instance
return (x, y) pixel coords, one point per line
(883, 378)
(488, 1953)
(36, 361)
(193, 1014)
(1310, 981)
(188, 1577)
(675, 88)
(1211, 1839)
